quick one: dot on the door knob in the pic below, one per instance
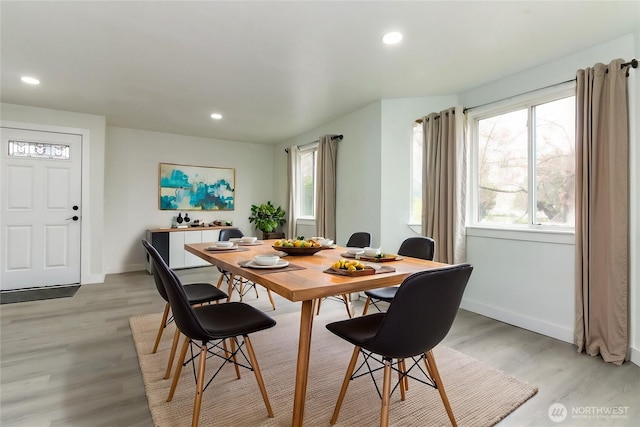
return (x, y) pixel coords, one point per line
(75, 208)
(75, 218)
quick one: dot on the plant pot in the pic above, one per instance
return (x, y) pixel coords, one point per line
(275, 235)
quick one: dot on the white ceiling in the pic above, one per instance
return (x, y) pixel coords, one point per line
(277, 69)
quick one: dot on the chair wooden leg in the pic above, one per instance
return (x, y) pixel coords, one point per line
(220, 279)
(224, 346)
(430, 362)
(401, 378)
(366, 306)
(199, 386)
(174, 347)
(273, 304)
(176, 376)
(406, 379)
(163, 324)
(233, 351)
(345, 297)
(345, 384)
(256, 371)
(241, 289)
(386, 391)
(230, 290)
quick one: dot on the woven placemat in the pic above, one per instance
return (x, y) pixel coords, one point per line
(221, 251)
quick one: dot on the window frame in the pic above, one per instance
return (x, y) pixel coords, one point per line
(313, 147)
(412, 158)
(525, 101)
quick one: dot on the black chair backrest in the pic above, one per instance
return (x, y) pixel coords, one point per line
(228, 233)
(156, 276)
(360, 239)
(418, 247)
(421, 312)
(183, 314)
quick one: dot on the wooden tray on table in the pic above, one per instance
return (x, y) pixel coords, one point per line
(344, 272)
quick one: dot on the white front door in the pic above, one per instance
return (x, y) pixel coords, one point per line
(40, 207)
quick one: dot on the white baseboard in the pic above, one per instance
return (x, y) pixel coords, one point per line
(532, 324)
(126, 268)
(635, 356)
(92, 278)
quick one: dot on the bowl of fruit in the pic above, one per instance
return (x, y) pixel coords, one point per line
(297, 246)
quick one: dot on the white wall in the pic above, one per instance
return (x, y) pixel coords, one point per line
(373, 167)
(526, 282)
(398, 116)
(131, 192)
(358, 197)
(91, 268)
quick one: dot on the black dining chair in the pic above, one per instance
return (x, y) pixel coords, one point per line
(429, 299)
(239, 284)
(361, 239)
(224, 236)
(212, 324)
(197, 294)
(415, 247)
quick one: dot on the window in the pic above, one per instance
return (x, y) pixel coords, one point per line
(524, 163)
(416, 175)
(38, 150)
(306, 185)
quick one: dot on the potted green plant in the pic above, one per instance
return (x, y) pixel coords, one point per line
(267, 219)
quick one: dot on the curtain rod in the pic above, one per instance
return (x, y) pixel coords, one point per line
(520, 94)
(338, 137)
(453, 112)
(633, 63)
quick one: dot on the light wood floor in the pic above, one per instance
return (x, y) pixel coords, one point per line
(71, 362)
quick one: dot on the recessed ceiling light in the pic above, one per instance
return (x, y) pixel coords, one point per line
(392, 38)
(30, 80)
(216, 116)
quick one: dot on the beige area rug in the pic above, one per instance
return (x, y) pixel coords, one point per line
(479, 395)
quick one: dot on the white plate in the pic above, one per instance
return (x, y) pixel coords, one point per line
(256, 243)
(281, 264)
(217, 248)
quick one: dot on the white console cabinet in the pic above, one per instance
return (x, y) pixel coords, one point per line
(169, 242)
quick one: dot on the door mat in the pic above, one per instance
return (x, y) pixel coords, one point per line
(35, 294)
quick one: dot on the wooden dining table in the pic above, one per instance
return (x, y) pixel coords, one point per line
(305, 281)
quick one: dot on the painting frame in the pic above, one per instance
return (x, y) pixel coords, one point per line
(195, 188)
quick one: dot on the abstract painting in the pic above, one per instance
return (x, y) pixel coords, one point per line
(196, 188)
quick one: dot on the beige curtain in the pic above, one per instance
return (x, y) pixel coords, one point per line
(292, 215)
(443, 177)
(326, 187)
(602, 212)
